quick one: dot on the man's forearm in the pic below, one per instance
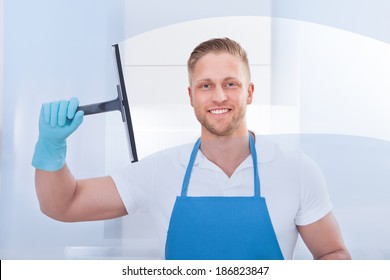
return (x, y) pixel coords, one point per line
(55, 191)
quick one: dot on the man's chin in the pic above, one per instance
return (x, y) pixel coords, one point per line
(220, 131)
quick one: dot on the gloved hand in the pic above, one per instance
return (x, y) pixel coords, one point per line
(56, 122)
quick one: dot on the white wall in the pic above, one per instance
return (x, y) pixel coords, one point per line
(53, 50)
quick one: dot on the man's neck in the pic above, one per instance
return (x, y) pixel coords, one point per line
(227, 152)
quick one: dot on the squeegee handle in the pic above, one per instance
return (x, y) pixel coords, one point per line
(102, 107)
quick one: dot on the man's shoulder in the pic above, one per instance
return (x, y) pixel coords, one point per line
(284, 148)
(270, 148)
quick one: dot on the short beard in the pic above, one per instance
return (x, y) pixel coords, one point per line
(227, 130)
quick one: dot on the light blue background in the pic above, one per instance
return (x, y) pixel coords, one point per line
(59, 49)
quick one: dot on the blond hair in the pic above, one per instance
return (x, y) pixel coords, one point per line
(217, 46)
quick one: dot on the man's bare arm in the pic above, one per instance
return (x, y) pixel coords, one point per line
(60, 195)
(324, 239)
(64, 198)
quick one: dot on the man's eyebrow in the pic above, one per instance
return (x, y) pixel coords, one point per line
(210, 80)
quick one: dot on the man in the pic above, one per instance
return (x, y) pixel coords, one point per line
(206, 198)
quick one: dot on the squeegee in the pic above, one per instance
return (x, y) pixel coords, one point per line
(120, 104)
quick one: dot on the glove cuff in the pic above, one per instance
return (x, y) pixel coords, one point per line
(49, 156)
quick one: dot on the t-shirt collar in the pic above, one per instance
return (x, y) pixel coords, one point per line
(266, 152)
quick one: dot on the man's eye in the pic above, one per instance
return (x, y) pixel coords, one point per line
(205, 86)
(231, 85)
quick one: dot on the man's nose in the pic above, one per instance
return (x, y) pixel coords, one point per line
(219, 94)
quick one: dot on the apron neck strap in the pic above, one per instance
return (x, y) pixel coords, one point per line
(194, 152)
(187, 176)
(256, 176)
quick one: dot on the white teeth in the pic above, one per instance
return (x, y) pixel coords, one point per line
(219, 111)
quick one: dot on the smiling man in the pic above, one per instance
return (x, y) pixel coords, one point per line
(206, 198)
(220, 89)
(219, 92)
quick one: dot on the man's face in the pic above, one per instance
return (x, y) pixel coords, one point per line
(219, 92)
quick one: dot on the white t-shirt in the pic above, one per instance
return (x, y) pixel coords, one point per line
(291, 183)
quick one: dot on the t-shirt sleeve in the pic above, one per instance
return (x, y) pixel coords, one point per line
(135, 184)
(315, 202)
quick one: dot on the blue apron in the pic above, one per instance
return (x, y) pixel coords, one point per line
(221, 228)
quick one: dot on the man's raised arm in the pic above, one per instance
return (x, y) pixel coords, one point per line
(60, 195)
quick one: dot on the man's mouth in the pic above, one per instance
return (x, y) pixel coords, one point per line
(219, 111)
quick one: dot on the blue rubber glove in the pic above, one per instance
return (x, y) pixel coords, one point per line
(56, 122)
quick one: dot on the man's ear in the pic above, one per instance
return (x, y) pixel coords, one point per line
(190, 95)
(250, 90)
